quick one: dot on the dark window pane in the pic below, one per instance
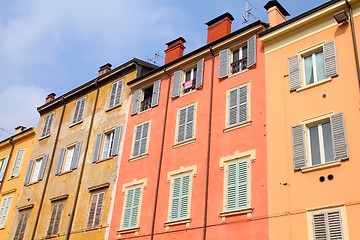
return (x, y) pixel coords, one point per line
(315, 147)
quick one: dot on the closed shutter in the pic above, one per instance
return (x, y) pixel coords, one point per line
(238, 106)
(176, 84)
(19, 157)
(298, 145)
(233, 107)
(243, 104)
(94, 200)
(42, 167)
(60, 162)
(182, 125)
(180, 198)
(76, 156)
(189, 134)
(99, 208)
(132, 207)
(96, 153)
(331, 68)
(135, 102)
(4, 210)
(55, 219)
(28, 173)
(327, 226)
(81, 110)
(3, 167)
(144, 136)
(137, 140)
(20, 229)
(155, 93)
(294, 73)
(112, 95)
(237, 196)
(223, 63)
(251, 53)
(116, 142)
(199, 73)
(47, 125)
(339, 136)
(119, 87)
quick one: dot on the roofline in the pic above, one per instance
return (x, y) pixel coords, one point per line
(160, 68)
(16, 135)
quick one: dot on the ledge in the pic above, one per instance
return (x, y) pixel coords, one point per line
(104, 160)
(321, 166)
(13, 177)
(63, 173)
(61, 197)
(240, 125)
(8, 191)
(74, 124)
(177, 222)
(109, 109)
(314, 84)
(32, 183)
(237, 212)
(180, 144)
(96, 187)
(42, 138)
(128, 230)
(25, 207)
(138, 157)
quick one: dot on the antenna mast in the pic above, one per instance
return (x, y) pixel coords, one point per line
(248, 12)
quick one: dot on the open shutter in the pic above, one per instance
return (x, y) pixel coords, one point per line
(99, 208)
(112, 95)
(42, 167)
(94, 200)
(97, 148)
(190, 122)
(135, 102)
(3, 168)
(199, 73)
(251, 52)
(339, 136)
(144, 136)
(223, 63)
(19, 157)
(28, 173)
(155, 93)
(76, 156)
(331, 68)
(182, 125)
(116, 141)
(118, 95)
(298, 144)
(60, 162)
(294, 73)
(176, 84)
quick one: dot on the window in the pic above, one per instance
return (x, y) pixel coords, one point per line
(47, 125)
(4, 209)
(16, 168)
(109, 147)
(96, 208)
(21, 226)
(140, 140)
(69, 158)
(238, 105)
(237, 59)
(185, 124)
(317, 64)
(319, 141)
(188, 80)
(3, 165)
(36, 170)
(131, 208)
(115, 94)
(146, 98)
(54, 223)
(78, 111)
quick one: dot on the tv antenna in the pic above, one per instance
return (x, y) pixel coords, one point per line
(156, 56)
(3, 130)
(248, 12)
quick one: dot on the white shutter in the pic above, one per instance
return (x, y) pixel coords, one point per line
(331, 68)
(199, 73)
(135, 102)
(251, 52)
(339, 136)
(298, 145)
(294, 73)
(18, 160)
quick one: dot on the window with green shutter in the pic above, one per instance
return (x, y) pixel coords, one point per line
(238, 105)
(140, 139)
(131, 209)
(180, 196)
(186, 123)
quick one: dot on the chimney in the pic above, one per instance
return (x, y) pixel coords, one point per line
(219, 27)
(104, 69)
(276, 13)
(19, 129)
(50, 97)
(175, 49)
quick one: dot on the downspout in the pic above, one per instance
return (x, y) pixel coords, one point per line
(209, 143)
(354, 41)
(10, 154)
(72, 213)
(49, 169)
(161, 157)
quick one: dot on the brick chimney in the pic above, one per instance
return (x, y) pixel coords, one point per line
(219, 27)
(19, 129)
(50, 97)
(276, 13)
(175, 49)
(104, 69)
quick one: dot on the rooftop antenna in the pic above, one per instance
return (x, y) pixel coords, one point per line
(156, 56)
(3, 130)
(248, 12)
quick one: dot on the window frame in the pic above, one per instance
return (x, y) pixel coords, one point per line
(242, 61)
(29, 178)
(141, 154)
(21, 224)
(100, 141)
(138, 98)
(78, 111)
(93, 224)
(176, 140)
(107, 144)
(115, 94)
(248, 106)
(17, 163)
(56, 216)
(4, 210)
(49, 119)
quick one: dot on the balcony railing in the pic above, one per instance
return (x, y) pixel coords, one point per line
(239, 65)
(146, 104)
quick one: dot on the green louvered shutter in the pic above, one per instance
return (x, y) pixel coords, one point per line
(294, 73)
(237, 186)
(176, 84)
(135, 102)
(298, 145)
(223, 63)
(155, 93)
(339, 136)
(132, 207)
(199, 73)
(251, 53)
(180, 198)
(331, 68)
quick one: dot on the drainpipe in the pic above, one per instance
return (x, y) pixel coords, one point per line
(10, 154)
(209, 143)
(354, 41)
(49, 169)
(72, 213)
(161, 157)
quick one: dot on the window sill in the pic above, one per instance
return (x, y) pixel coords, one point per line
(187, 93)
(321, 166)
(129, 230)
(87, 229)
(314, 84)
(14, 177)
(63, 173)
(32, 183)
(104, 160)
(2, 227)
(74, 124)
(240, 125)
(43, 137)
(246, 211)
(138, 157)
(112, 108)
(52, 236)
(237, 73)
(180, 144)
(178, 222)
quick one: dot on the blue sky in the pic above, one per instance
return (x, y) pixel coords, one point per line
(55, 46)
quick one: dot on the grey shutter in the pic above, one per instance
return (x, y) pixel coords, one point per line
(294, 73)
(137, 140)
(199, 73)
(144, 136)
(118, 95)
(223, 63)
(155, 93)
(327, 226)
(237, 195)
(190, 122)
(243, 104)
(60, 162)
(76, 112)
(99, 208)
(20, 229)
(28, 173)
(52, 219)
(48, 126)
(339, 136)
(176, 84)
(94, 200)
(181, 125)
(319, 226)
(60, 207)
(135, 102)
(298, 145)
(112, 95)
(331, 68)
(97, 148)
(116, 141)
(42, 167)
(233, 107)
(81, 109)
(76, 156)
(251, 51)
(334, 223)
(3, 168)
(19, 157)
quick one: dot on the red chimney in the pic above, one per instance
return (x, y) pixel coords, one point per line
(219, 27)
(104, 69)
(174, 50)
(50, 97)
